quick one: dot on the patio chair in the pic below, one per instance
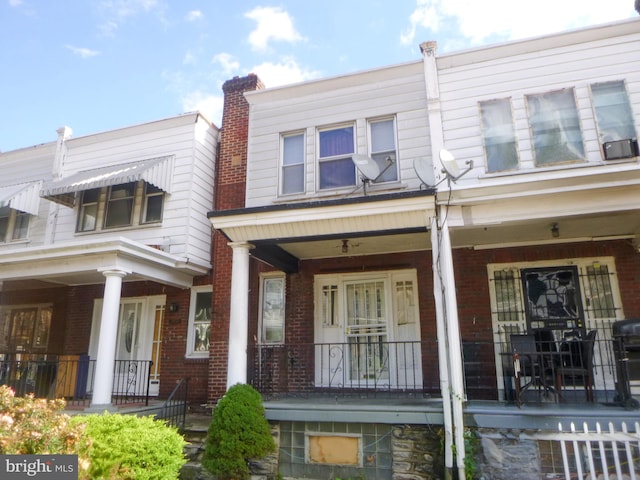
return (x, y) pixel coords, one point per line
(528, 362)
(577, 366)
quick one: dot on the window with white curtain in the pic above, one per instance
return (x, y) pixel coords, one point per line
(383, 148)
(500, 148)
(555, 127)
(336, 148)
(292, 163)
(613, 111)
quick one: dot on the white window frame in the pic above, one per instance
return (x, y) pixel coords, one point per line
(624, 127)
(336, 158)
(13, 217)
(267, 298)
(551, 126)
(286, 166)
(498, 135)
(380, 155)
(191, 352)
(151, 192)
(101, 205)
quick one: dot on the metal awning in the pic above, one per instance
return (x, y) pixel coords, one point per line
(157, 171)
(24, 197)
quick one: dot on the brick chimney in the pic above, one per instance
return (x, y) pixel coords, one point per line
(232, 159)
(230, 188)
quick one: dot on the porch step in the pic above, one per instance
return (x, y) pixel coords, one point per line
(195, 434)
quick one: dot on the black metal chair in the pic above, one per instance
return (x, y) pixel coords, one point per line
(528, 363)
(576, 367)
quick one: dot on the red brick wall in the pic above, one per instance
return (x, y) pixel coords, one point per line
(229, 194)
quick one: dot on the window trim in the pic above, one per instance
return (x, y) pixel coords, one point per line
(190, 352)
(144, 208)
(283, 167)
(629, 109)
(394, 156)
(332, 158)
(264, 277)
(12, 221)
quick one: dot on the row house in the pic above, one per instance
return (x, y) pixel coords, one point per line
(105, 263)
(448, 242)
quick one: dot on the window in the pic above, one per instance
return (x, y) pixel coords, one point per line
(153, 201)
(25, 329)
(335, 164)
(119, 205)
(555, 127)
(14, 224)
(272, 309)
(383, 148)
(199, 321)
(500, 147)
(293, 163)
(613, 111)
(88, 213)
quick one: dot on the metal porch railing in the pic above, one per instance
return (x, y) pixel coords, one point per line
(72, 377)
(174, 408)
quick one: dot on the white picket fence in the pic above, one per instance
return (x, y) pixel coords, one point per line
(595, 455)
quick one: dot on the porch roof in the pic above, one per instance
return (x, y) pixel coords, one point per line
(283, 234)
(81, 263)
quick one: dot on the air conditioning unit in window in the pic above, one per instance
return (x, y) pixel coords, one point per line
(620, 149)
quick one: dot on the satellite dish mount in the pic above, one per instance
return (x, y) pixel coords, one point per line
(450, 167)
(369, 170)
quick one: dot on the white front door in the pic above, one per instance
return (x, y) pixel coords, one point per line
(138, 339)
(367, 331)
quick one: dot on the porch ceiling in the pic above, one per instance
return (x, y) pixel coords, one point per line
(82, 264)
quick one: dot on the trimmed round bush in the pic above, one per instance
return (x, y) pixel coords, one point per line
(239, 432)
(132, 448)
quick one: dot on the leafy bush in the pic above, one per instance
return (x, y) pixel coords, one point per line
(238, 433)
(130, 447)
(35, 426)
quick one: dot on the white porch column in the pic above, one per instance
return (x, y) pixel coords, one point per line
(103, 379)
(239, 314)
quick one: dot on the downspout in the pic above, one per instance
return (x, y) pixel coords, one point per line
(449, 352)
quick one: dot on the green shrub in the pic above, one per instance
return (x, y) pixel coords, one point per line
(130, 447)
(36, 426)
(238, 433)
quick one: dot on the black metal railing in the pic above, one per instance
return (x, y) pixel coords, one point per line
(368, 366)
(174, 408)
(72, 377)
(364, 366)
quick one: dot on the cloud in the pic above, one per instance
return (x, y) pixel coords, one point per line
(118, 11)
(15, 3)
(481, 21)
(82, 52)
(207, 103)
(273, 24)
(228, 63)
(194, 15)
(285, 72)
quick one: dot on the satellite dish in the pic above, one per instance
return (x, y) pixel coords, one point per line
(450, 165)
(367, 167)
(424, 171)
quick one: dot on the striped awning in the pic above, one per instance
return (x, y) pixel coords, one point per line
(24, 197)
(157, 171)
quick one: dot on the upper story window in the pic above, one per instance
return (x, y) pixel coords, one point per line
(293, 163)
(613, 111)
(119, 206)
(555, 127)
(500, 147)
(336, 168)
(383, 148)
(14, 224)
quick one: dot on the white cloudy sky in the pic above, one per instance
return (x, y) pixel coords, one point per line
(95, 65)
